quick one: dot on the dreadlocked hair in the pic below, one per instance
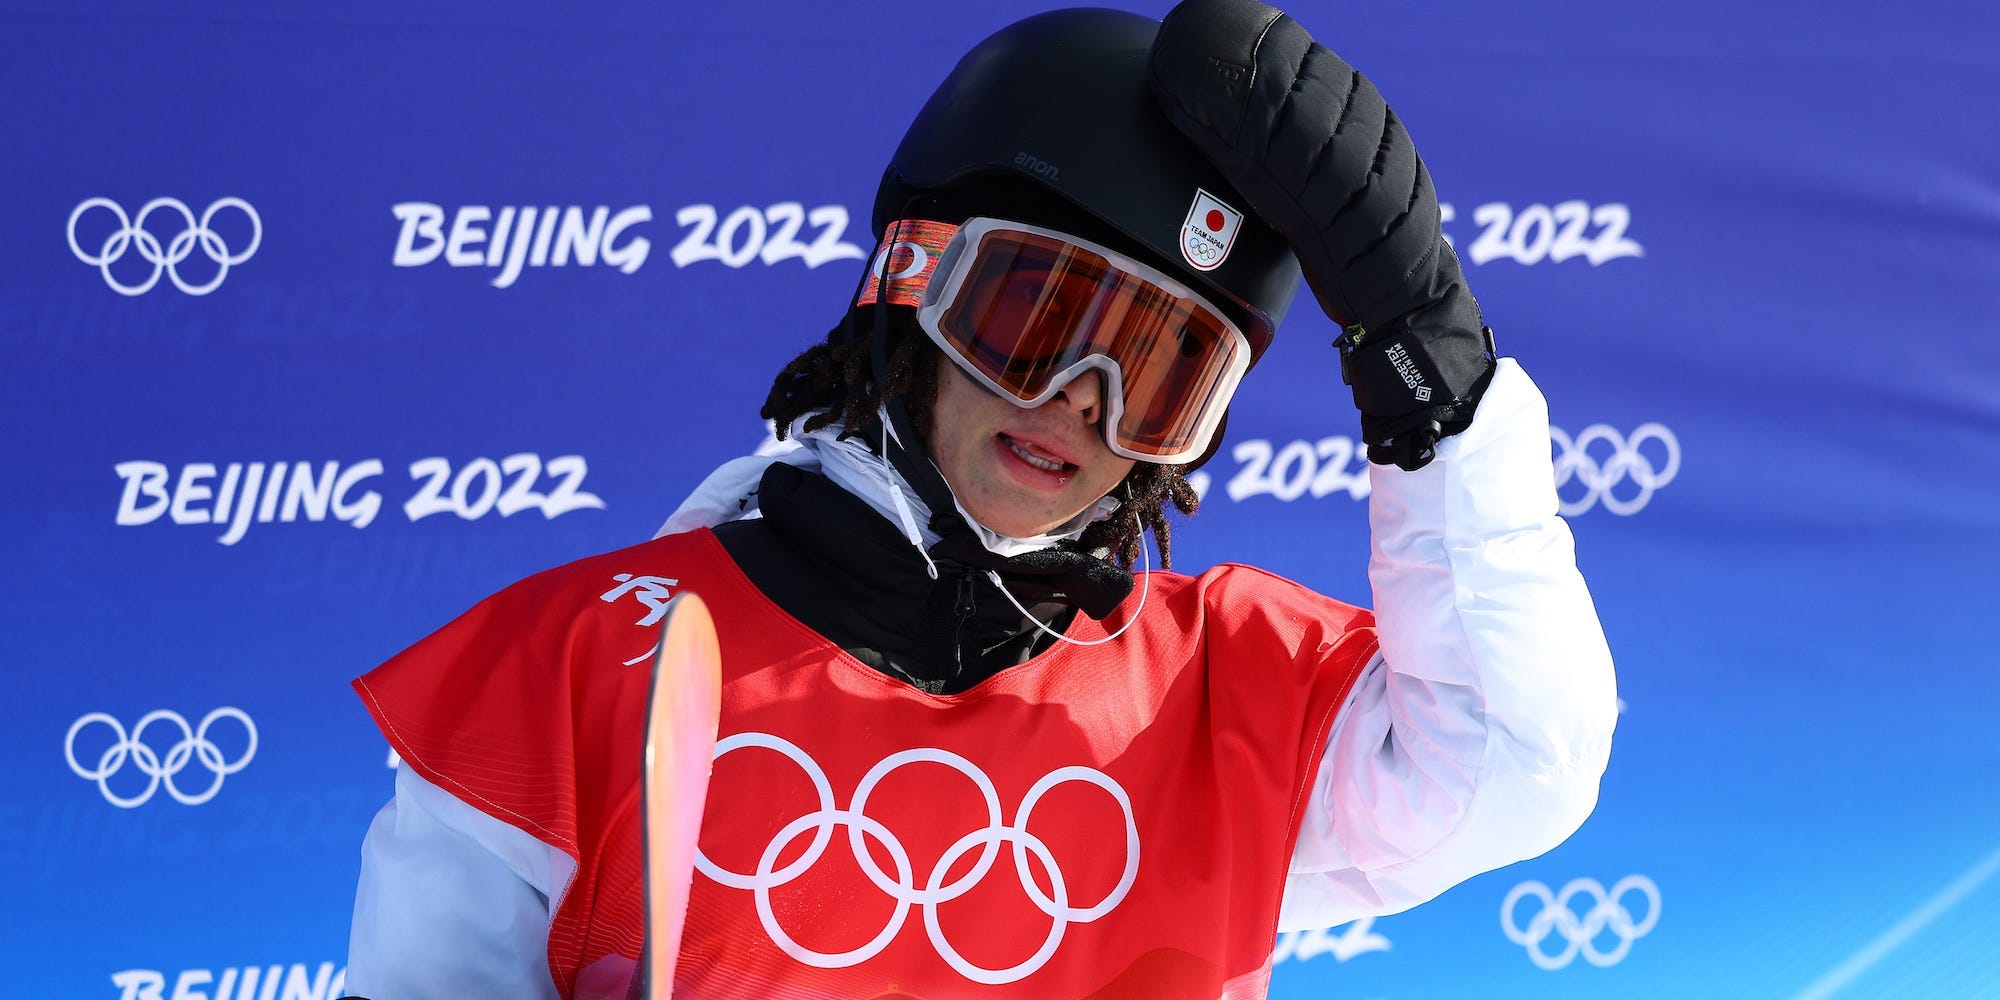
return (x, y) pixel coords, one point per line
(1144, 496)
(829, 383)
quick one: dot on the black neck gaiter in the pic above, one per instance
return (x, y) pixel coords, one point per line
(840, 568)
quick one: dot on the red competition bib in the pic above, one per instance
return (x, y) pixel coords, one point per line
(1103, 821)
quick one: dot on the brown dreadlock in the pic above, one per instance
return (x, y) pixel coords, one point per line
(829, 382)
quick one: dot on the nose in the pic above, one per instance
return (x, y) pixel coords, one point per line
(1084, 394)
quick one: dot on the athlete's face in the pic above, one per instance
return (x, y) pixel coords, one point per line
(1023, 471)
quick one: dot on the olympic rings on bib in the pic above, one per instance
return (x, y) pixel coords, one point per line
(902, 886)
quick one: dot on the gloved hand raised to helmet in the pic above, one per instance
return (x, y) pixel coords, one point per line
(1323, 160)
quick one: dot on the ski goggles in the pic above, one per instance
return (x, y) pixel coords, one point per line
(1024, 310)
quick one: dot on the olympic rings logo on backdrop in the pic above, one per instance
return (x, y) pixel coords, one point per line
(161, 768)
(132, 234)
(1579, 933)
(903, 887)
(1573, 460)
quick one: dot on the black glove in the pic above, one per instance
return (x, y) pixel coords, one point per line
(1309, 141)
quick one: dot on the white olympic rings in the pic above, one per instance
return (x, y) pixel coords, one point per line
(1607, 912)
(903, 887)
(1573, 461)
(131, 234)
(194, 745)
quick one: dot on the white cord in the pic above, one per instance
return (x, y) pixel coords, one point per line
(1145, 586)
(903, 514)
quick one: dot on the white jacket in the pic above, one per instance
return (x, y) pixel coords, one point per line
(1475, 738)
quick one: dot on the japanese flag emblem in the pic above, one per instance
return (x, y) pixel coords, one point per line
(1209, 231)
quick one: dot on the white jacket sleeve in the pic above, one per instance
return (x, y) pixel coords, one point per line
(1477, 737)
(452, 903)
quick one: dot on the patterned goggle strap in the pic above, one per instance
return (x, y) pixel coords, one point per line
(904, 265)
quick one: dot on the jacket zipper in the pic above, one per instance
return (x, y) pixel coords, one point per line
(964, 610)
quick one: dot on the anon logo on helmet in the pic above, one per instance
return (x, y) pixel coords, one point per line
(1038, 166)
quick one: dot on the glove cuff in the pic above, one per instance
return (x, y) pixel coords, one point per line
(1419, 380)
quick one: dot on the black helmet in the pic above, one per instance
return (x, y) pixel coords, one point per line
(1061, 103)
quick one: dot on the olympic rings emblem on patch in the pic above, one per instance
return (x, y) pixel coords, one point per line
(194, 745)
(903, 886)
(1573, 460)
(1580, 932)
(132, 234)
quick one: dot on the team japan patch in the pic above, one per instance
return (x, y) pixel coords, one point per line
(1209, 232)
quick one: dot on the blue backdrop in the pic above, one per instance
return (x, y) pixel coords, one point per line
(319, 323)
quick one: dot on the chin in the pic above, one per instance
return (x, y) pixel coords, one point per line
(1017, 525)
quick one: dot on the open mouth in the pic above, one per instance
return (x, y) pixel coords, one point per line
(1046, 461)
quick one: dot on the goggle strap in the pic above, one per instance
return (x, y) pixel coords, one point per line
(908, 257)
